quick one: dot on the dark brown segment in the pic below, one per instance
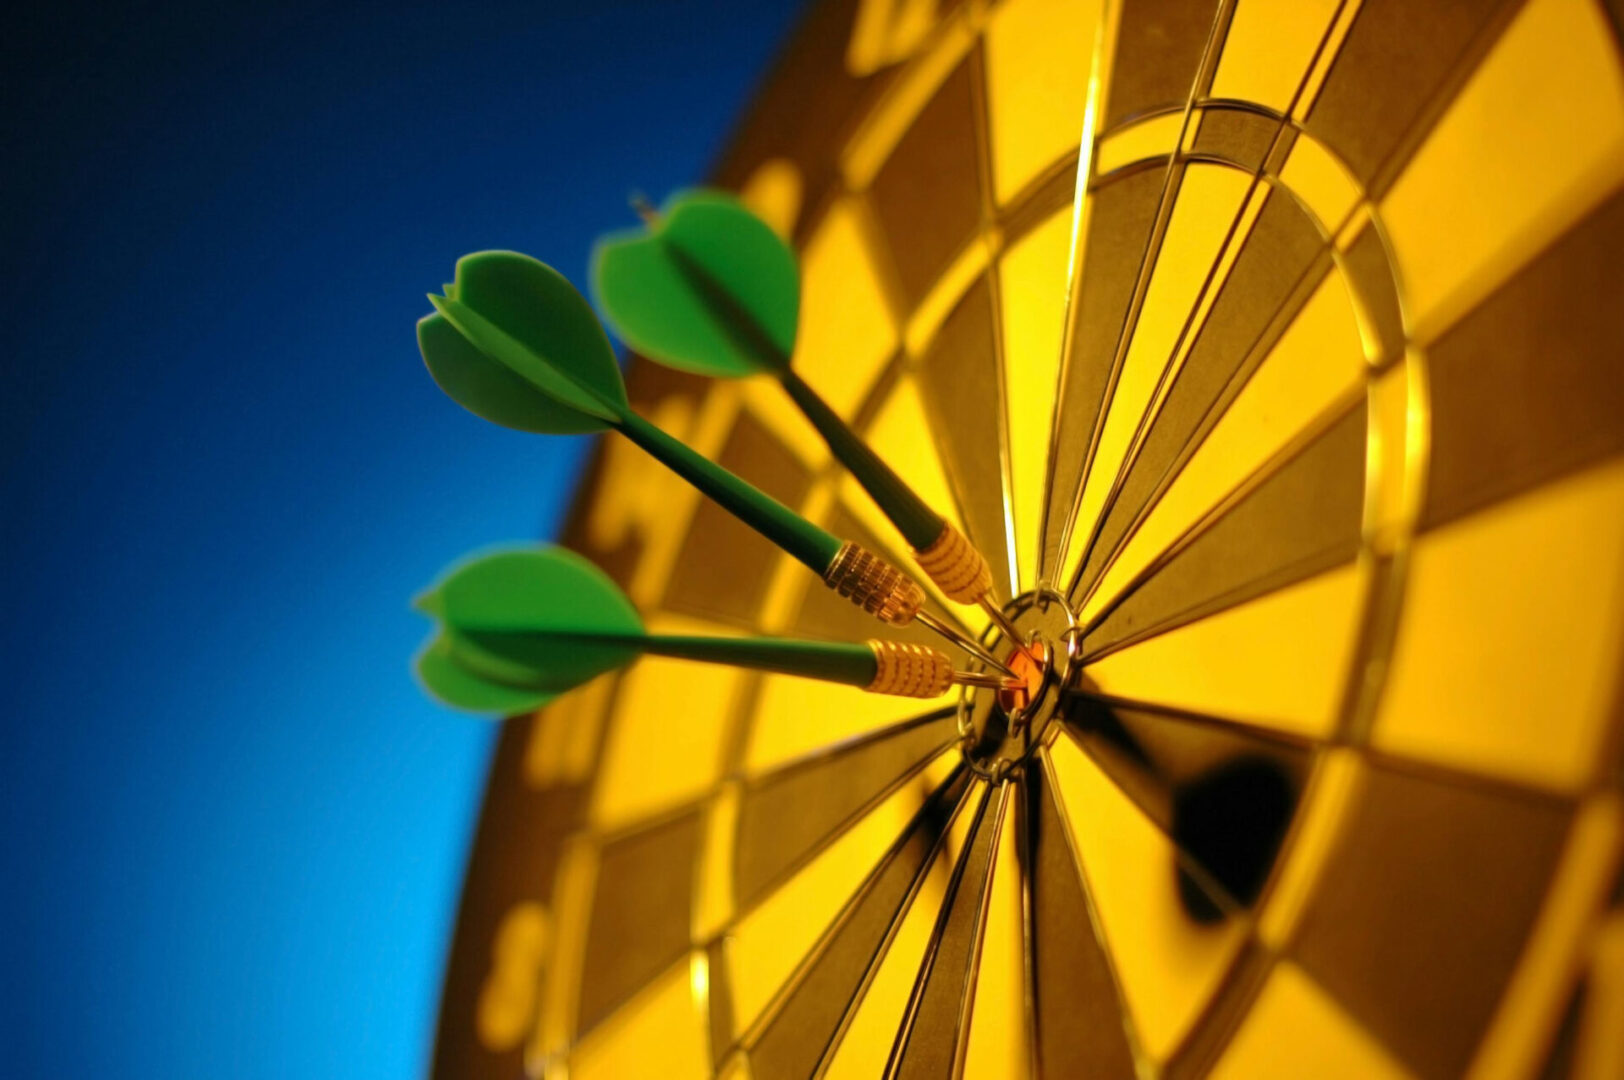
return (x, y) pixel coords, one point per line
(1418, 921)
(1529, 387)
(927, 196)
(1371, 271)
(720, 1003)
(641, 911)
(1079, 1015)
(1240, 136)
(959, 379)
(789, 815)
(938, 1009)
(1398, 56)
(799, 1035)
(1158, 51)
(1300, 521)
(1119, 223)
(514, 859)
(724, 567)
(1283, 258)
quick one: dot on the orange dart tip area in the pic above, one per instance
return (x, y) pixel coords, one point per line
(1030, 665)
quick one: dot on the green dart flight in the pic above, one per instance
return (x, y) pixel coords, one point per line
(708, 287)
(518, 627)
(512, 341)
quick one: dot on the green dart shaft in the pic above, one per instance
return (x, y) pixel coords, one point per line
(814, 546)
(830, 661)
(884, 667)
(918, 523)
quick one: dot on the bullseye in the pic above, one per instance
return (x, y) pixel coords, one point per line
(1030, 665)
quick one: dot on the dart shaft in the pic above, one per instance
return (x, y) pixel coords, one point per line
(917, 522)
(830, 661)
(814, 546)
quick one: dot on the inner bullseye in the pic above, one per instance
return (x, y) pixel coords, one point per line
(1030, 666)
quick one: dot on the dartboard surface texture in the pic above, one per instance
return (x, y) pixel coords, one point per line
(1273, 354)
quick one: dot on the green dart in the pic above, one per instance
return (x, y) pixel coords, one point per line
(708, 287)
(513, 342)
(518, 627)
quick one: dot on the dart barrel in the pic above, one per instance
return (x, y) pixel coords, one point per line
(909, 670)
(874, 585)
(956, 567)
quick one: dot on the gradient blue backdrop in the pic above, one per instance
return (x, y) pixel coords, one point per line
(233, 829)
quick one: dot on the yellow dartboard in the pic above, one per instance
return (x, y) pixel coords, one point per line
(1272, 351)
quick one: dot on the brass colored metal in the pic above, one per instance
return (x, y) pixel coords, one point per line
(909, 670)
(874, 585)
(956, 567)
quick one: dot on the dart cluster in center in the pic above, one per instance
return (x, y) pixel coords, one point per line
(706, 287)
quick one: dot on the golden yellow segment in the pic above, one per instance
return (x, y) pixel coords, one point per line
(846, 332)
(1531, 1009)
(1280, 661)
(999, 1036)
(1321, 182)
(1208, 202)
(666, 737)
(891, 118)
(764, 947)
(1268, 49)
(1296, 1029)
(1507, 654)
(1037, 85)
(1032, 292)
(1336, 779)
(664, 1023)
(1318, 360)
(1533, 141)
(900, 435)
(796, 716)
(713, 899)
(773, 192)
(864, 1047)
(945, 293)
(1152, 138)
(1167, 964)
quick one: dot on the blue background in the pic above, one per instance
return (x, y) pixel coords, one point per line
(233, 829)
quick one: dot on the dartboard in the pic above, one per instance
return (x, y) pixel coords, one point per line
(1273, 355)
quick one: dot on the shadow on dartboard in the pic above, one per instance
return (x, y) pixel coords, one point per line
(1226, 807)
